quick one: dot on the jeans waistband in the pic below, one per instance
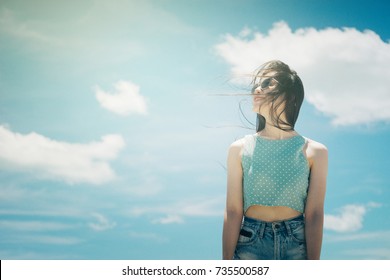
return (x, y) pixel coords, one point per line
(256, 221)
(274, 226)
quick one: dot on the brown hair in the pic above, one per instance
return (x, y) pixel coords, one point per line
(288, 91)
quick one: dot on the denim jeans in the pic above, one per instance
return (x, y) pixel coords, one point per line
(282, 240)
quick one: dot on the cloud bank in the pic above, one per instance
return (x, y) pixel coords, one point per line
(51, 159)
(345, 71)
(101, 224)
(349, 219)
(124, 101)
(169, 213)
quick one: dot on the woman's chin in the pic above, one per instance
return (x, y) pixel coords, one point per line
(255, 109)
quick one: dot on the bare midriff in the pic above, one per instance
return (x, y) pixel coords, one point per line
(271, 213)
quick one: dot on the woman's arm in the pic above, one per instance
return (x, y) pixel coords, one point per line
(314, 210)
(234, 202)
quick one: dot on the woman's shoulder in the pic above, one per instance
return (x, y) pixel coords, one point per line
(242, 142)
(315, 149)
(237, 147)
(315, 145)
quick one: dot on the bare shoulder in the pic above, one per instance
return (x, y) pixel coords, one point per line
(235, 148)
(316, 151)
(237, 144)
(316, 146)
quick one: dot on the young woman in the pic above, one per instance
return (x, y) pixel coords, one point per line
(276, 178)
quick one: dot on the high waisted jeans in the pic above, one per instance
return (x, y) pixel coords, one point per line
(282, 240)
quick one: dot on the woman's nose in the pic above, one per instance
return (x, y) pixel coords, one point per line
(258, 90)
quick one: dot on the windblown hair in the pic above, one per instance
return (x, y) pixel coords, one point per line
(285, 99)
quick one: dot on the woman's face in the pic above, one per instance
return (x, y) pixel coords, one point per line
(260, 90)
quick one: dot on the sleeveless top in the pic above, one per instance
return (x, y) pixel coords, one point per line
(275, 172)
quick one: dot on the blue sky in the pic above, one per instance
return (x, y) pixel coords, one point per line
(116, 116)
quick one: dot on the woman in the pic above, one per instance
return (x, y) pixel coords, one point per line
(276, 178)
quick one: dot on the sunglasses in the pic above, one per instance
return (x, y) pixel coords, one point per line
(263, 84)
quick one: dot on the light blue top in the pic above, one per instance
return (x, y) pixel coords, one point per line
(275, 172)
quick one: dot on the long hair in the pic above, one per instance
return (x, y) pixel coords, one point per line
(286, 98)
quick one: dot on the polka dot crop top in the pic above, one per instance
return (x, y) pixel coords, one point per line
(275, 172)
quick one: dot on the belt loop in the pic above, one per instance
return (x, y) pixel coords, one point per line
(288, 228)
(261, 231)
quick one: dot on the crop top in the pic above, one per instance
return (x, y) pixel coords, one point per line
(275, 172)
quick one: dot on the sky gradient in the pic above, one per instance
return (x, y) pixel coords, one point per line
(116, 117)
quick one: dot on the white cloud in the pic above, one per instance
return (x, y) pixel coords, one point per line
(126, 100)
(345, 71)
(365, 236)
(47, 239)
(32, 226)
(169, 219)
(101, 224)
(177, 211)
(349, 219)
(148, 236)
(51, 159)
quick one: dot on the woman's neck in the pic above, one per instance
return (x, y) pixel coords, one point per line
(273, 132)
